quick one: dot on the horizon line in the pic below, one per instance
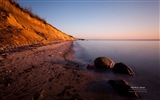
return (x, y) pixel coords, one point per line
(128, 39)
(89, 1)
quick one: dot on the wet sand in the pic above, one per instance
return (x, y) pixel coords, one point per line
(49, 72)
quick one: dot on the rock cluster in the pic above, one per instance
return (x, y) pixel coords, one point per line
(107, 63)
(120, 86)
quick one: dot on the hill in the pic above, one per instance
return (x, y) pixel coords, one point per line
(20, 27)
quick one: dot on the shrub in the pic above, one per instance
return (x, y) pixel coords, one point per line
(27, 10)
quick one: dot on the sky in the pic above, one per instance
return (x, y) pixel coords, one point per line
(100, 19)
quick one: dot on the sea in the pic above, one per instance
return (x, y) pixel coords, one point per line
(143, 56)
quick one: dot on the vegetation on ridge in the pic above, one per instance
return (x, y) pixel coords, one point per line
(27, 10)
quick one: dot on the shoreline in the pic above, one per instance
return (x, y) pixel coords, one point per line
(31, 73)
(46, 72)
(50, 72)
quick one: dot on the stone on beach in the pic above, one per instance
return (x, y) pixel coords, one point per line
(103, 63)
(1, 58)
(4, 55)
(90, 66)
(123, 69)
(123, 88)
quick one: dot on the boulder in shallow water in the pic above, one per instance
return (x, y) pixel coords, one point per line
(122, 87)
(103, 63)
(123, 69)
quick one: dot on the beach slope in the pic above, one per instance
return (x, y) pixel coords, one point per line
(45, 72)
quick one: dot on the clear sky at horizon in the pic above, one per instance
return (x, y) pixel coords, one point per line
(100, 19)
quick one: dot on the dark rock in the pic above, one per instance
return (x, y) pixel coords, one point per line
(7, 81)
(103, 62)
(76, 97)
(4, 55)
(90, 66)
(123, 69)
(122, 87)
(82, 39)
(36, 96)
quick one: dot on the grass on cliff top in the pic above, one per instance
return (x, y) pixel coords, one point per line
(27, 10)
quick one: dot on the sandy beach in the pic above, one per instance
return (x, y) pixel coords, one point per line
(49, 72)
(42, 73)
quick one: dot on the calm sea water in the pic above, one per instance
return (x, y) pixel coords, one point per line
(142, 56)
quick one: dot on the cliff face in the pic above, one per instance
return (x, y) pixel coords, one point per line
(19, 28)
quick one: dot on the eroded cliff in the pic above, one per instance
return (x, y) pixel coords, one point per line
(20, 28)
